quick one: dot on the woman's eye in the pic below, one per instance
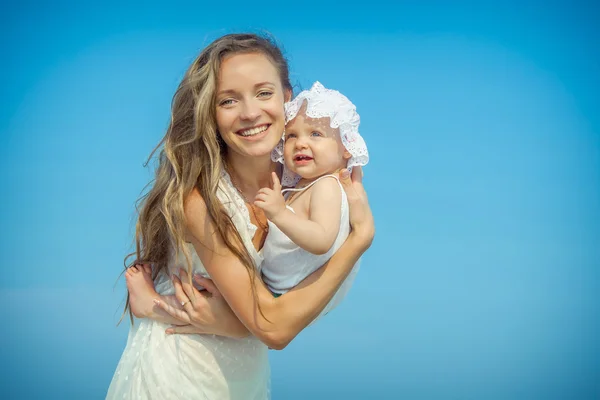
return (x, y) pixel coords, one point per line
(226, 102)
(265, 93)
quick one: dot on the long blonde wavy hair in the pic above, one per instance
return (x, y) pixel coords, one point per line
(191, 156)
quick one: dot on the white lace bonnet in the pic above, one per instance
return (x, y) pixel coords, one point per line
(326, 103)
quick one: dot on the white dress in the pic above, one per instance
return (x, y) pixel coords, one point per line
(159, 366)
(286, 264)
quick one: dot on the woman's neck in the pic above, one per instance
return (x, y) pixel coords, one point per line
(250, 173)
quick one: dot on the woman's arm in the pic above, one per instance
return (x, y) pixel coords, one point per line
(276, 321)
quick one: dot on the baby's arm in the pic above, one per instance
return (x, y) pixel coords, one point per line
(317, 233)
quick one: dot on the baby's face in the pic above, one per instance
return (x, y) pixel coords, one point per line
(312, 147)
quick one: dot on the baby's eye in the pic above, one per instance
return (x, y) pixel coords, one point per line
(290, 136)
(316, 134)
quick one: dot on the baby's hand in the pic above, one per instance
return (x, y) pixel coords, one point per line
(271, 201)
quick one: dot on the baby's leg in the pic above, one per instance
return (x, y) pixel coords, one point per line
(142, 295)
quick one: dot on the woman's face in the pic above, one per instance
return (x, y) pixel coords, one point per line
(250, 98)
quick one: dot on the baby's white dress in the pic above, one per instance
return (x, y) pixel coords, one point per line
(286, 264)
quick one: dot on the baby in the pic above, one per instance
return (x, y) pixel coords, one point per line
(307, 224)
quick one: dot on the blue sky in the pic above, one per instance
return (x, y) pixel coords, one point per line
(484, 133)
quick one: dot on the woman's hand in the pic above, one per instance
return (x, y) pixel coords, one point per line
(204, 311)
(361, 218)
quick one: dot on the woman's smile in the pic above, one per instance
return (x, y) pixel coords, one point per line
(254, 132)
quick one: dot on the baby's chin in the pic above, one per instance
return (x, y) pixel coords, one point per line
(314, 174)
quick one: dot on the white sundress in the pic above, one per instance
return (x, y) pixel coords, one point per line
(161, 367)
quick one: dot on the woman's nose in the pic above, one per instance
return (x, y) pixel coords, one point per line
(250, 110)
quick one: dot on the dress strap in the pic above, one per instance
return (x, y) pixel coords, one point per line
(310, 184)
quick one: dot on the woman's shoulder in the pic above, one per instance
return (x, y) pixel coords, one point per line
(194, 207)
(198, 220)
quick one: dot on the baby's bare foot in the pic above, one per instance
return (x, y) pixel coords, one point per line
(141, 290)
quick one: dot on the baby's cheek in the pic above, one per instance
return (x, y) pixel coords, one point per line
(288, 149)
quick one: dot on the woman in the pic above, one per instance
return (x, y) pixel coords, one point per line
(227, 116)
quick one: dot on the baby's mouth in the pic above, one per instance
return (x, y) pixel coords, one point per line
(302, 157)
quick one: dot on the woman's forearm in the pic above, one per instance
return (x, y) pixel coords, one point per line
(296, 309)
(276, 321)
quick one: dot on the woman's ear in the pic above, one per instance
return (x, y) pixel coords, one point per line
(287, 95)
